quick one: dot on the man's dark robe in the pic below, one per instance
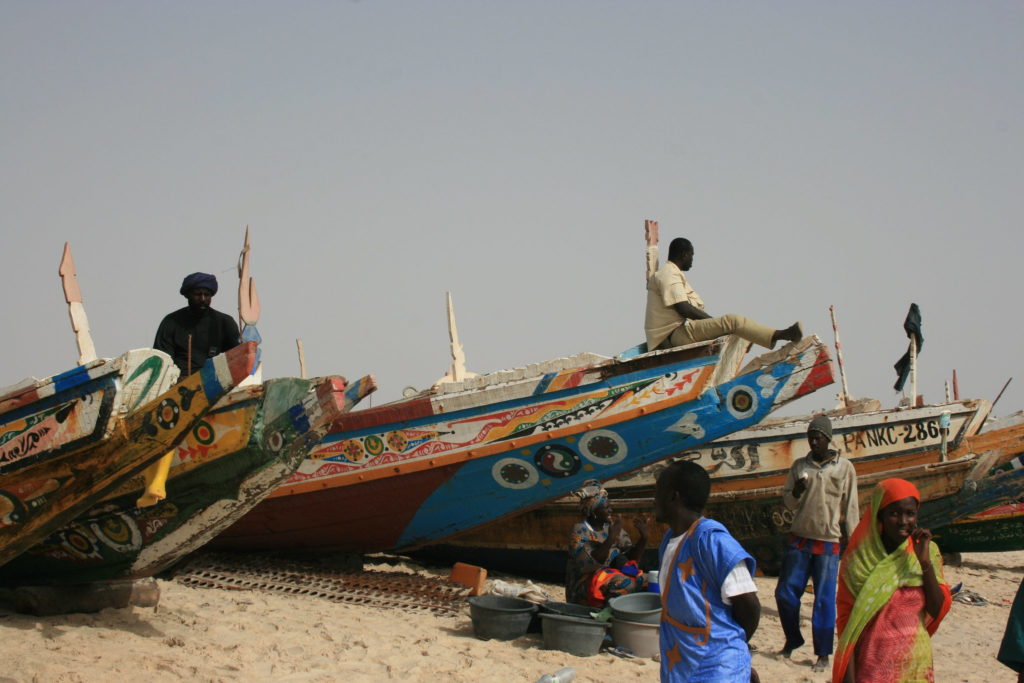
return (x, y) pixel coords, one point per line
(212, 333)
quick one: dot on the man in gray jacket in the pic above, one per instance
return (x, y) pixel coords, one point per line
(821, 489)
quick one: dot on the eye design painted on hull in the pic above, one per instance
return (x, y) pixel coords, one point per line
(603, 447)
(513, 473)
(741, 402)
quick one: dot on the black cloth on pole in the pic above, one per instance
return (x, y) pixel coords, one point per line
(912, 326)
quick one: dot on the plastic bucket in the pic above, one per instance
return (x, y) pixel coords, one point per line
(642, 608)
(500, 618)
(640, 639)
(568, 609)
(577, 636)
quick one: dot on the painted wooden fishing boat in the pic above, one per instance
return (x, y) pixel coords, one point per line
(961, 485)
(240, 451)
(995, 530)
(78, 409)
(996, 527)
(470, 452)
(42, 495)
(874, 440)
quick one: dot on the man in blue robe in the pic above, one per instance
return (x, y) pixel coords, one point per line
(709, 600)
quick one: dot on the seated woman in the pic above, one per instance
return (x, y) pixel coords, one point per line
(602, 558)
(892, 594)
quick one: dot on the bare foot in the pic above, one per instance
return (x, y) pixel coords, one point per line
(821, 664)
(786, 652)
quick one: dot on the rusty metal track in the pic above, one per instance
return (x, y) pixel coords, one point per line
(387, 589)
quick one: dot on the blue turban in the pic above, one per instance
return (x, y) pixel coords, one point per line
(198, 280)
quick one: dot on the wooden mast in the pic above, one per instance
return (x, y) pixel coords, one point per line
(73, 297)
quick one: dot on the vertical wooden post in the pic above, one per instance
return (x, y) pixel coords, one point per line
(76, 310)
(458, 368)
(844, 398)
(248, 300)
(956, 387)
(302, 359)
(651, 255)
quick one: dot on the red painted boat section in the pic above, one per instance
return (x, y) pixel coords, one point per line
(385, 414)
(364, 517)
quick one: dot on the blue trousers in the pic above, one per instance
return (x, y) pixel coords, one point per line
(797, 566)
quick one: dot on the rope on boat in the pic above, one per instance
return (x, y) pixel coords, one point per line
(386, 589)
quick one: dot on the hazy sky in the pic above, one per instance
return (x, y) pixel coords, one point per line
(861, 154)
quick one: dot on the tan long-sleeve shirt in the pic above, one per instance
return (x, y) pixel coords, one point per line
(829, 504)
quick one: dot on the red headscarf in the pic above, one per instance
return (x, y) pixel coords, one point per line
(892, 491)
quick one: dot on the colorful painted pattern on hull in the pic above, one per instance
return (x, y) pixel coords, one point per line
(999, 529)
(979, 475)
(231, 459)
(34, 501)
(41, 419)
(473, 466)
(876, 440)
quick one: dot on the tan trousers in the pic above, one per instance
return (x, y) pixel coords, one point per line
(702, 330)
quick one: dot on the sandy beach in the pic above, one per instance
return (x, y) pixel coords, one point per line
(211, 634)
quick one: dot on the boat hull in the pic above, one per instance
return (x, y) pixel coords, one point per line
(76, 410)
(998, 529)
(424, 477)
(37, 500)
(758, 518)
(875, 440)
(240, 451)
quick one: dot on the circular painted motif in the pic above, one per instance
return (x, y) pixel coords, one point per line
(397, 441)
(275, 441)
(167, 413)
(117, 532)
(514, 474)
(353, 450)
(557, 461)
(603, 447)
(741, 402)
(78, 542)
(373, 445)
(203, 433)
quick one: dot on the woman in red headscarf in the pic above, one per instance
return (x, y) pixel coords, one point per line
(892, 594)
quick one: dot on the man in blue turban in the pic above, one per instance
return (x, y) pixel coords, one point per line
(192, 334)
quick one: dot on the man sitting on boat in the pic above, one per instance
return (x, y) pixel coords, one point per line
(602, 558)
(675, 312)
(192, 334)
